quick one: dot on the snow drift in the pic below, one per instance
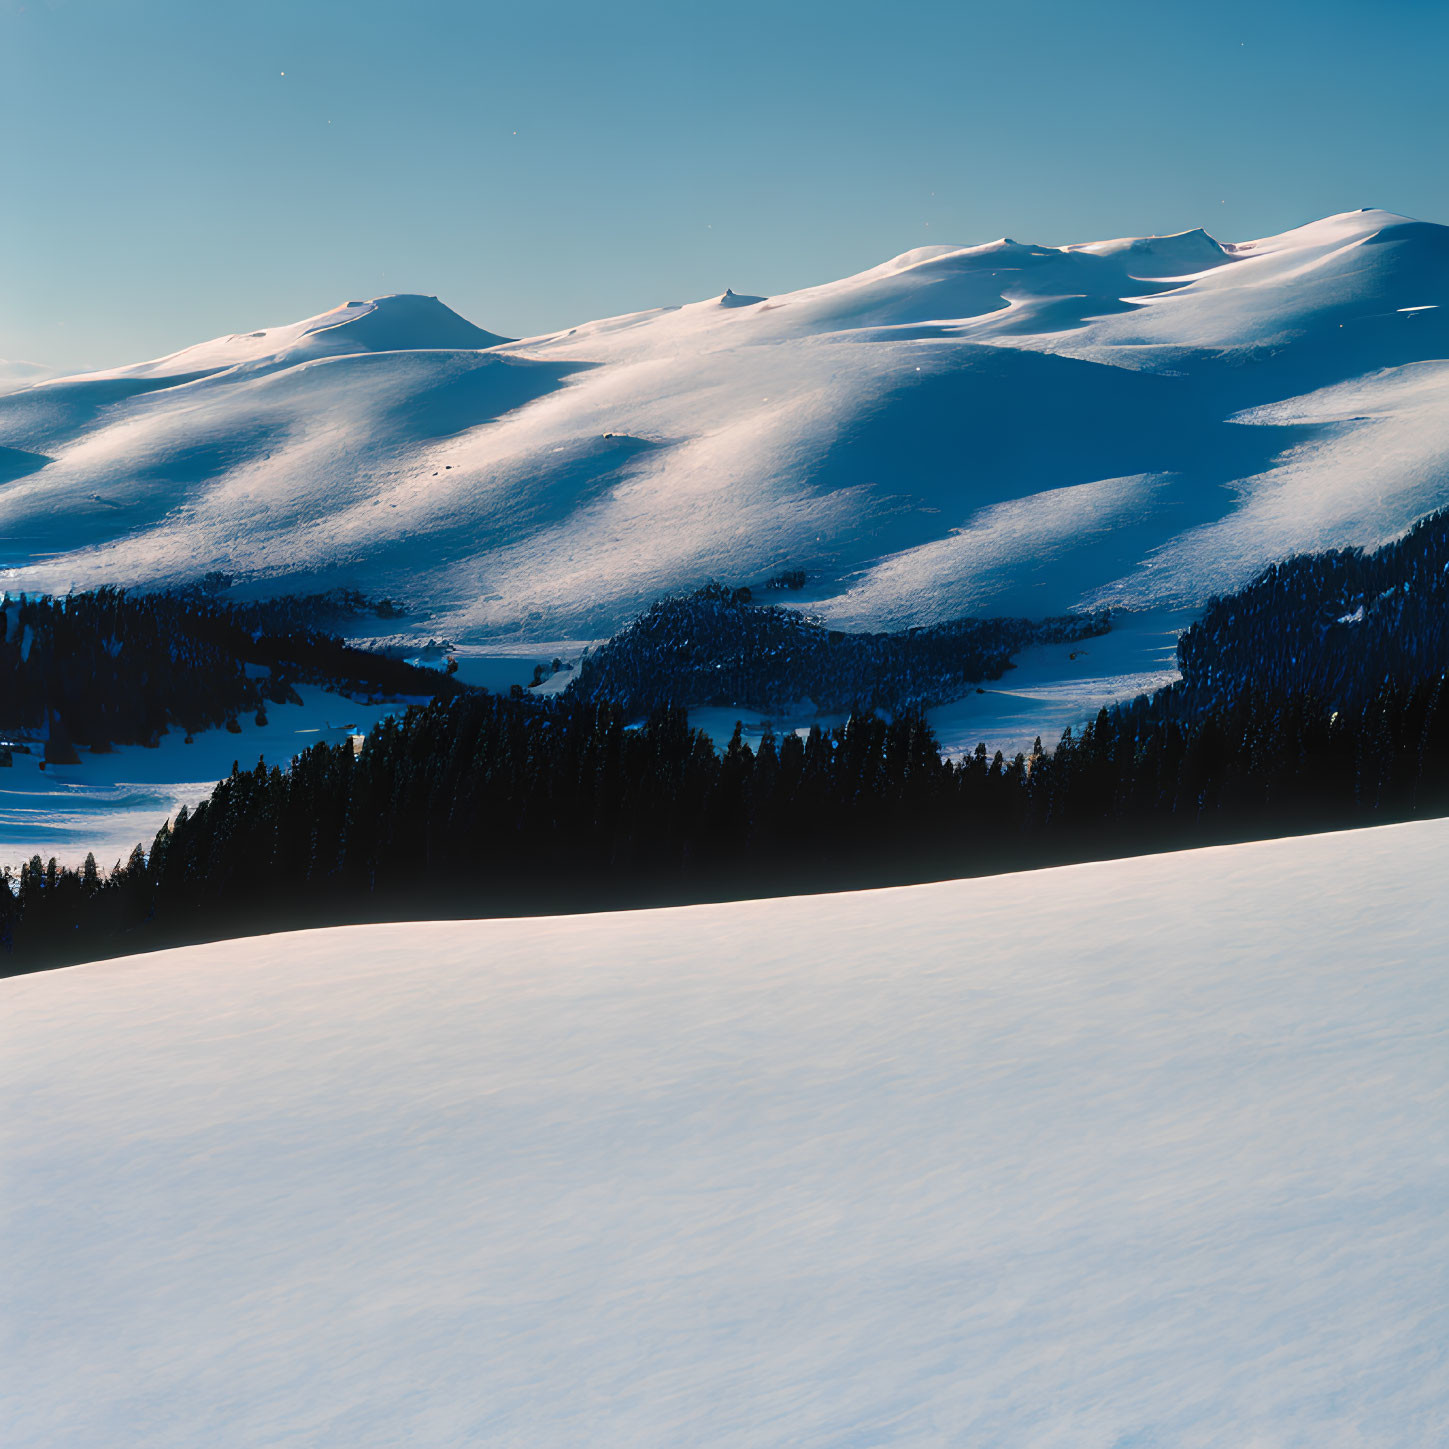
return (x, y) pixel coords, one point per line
(1004, 428)
(1147, 1152)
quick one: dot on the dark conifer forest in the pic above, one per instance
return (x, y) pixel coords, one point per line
(1316, 698)
(112, 668)
(1338, 625)
(717, 647)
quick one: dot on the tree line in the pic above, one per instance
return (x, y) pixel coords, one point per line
(478, 805)
(481, 806)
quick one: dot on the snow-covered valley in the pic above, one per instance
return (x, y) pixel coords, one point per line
(1144, 1152)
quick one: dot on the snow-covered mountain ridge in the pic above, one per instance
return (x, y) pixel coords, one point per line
(1004, 428)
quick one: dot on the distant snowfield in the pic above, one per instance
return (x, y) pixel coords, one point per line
(1004, 428)
(1149, 1153)
(108, 804)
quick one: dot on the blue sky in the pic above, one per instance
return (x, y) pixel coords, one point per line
(174, 170)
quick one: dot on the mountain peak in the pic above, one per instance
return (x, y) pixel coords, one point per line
(732, 298)
(398, 322)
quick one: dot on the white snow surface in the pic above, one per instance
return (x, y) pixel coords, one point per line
(1148, 1153)
(1004, 428)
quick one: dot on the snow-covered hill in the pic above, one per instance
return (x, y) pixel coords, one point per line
(1150, 1152)
(998, 428)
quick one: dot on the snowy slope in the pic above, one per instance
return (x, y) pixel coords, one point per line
(996, 428)
(1148, 1153)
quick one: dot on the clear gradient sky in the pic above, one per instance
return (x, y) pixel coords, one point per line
(177, 169)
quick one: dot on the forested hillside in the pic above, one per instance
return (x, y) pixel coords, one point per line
(1288, 719)
(717, 647)
(487, 806)
(1337, 625)
(109, 668)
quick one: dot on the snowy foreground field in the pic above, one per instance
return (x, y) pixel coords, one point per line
(1142, 1153)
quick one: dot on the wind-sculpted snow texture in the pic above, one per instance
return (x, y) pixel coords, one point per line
(990, 430)
(1149, 1153)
